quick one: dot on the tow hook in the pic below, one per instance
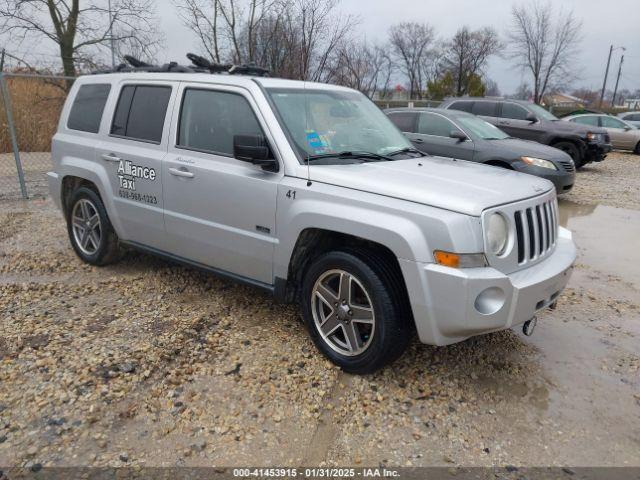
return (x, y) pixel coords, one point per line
(529, 326)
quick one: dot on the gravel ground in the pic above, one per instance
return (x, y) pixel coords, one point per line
(149, 364)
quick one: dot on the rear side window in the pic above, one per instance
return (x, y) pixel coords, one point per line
(405, 121)
(462, 106)
(634, 117)
(140, 112)
(514, 111)
(487, 109)
(88, 106)
(430, 124)
(209, 120)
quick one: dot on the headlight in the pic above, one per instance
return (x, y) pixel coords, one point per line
(538, 162)
(497, 234)
(595, 137)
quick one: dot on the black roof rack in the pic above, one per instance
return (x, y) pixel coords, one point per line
(200, 65)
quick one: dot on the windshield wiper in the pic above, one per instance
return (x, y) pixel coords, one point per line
(367, 156)
(406, 150)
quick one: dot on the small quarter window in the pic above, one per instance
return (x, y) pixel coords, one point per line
(141, 112)
(405, 121)
(209, 120)
(88, 106)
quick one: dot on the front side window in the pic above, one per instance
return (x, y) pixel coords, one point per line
(432, 124)
(487, 109)
(210, 119)
(478, 128)
(610, 122)
(590, 120)
(513, 111)
(541, 113)
(88, 106)
(141, 112)
(327, 121)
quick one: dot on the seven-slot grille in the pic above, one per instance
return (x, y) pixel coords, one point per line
(568, 165)
(536, 231)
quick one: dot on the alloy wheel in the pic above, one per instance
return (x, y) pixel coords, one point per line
(343, 312)
(86, 225)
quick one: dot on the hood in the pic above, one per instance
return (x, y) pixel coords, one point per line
(561, 126)
(456, 185)
(515, 147)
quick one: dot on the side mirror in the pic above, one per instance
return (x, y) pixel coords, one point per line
(627, 128)
(531, 118)
(254, 149)
(457, 134)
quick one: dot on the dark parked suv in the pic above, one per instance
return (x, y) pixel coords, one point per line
(529, 121)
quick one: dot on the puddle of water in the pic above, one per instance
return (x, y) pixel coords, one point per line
(607, 237)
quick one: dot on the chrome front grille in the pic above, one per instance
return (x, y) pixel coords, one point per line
(536, 231)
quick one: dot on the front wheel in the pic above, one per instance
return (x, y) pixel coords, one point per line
(573, 151)
(637, 150)
(356, 310)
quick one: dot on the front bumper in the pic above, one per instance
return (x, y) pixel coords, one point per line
(596, 152)
(561, 179)
(447, 303)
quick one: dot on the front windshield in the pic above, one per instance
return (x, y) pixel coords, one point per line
(322, 122)
(480, 129)
(541, 112)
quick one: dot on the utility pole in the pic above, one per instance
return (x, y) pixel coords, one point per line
(606, 74)
(615, 90)
(113, 52)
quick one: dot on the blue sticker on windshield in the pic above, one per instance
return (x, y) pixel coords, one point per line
(317, 142)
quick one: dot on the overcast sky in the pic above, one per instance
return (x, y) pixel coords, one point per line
(614, 22)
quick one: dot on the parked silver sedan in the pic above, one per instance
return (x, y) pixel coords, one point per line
(624, 136)
(631, 117)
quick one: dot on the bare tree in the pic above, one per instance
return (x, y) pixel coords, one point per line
(363, 67)
(545, 46)
(79, 31)
(294, 38)
(412, 45)
(467, 53)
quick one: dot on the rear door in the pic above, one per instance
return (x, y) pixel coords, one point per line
(219, 211)
(132, 153)
(433, 136)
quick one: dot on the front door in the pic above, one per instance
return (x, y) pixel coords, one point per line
(132, 154)
(219, 211)
(434, 137)
(513, 121)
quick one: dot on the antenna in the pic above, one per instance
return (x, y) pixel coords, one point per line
(306, 130)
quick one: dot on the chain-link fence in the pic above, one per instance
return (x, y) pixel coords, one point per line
(30, 107)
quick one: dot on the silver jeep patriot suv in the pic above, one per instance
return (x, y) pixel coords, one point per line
(310, 192)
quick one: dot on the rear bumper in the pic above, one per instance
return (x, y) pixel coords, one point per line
(55, 186)
(450, 305)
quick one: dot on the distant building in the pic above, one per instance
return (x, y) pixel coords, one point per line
(632, 103)
(562, 100)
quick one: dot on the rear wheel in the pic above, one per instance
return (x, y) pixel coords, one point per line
(90, 231)
(354, 309)
(573, 151)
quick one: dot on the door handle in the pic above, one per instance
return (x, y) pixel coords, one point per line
(181, 173)
(417, 140)
(111, 157)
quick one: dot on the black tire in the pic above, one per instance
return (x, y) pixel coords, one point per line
(390, 304)
(637, 150)
(573, 151)
(107, 251)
